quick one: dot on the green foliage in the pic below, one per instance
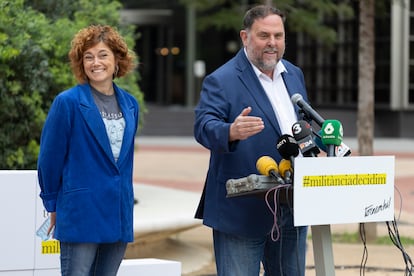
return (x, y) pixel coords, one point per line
(354, 238)
(310, 17)
(313, 17)
(219, 14)
(35, 39)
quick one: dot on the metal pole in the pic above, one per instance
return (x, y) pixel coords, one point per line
(190, 54)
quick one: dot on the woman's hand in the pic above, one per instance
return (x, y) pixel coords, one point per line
(52, 223)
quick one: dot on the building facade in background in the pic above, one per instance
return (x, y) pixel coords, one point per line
(174, 58)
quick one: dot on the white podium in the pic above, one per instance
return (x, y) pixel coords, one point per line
(332, 190)
(23, 253)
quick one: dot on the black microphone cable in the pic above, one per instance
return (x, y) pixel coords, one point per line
(364, 259)
(394, 235)
(395, 238)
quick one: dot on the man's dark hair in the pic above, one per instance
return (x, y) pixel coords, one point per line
(260, 11)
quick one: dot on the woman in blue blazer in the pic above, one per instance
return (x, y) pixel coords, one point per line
(85, 165)
(239, 121)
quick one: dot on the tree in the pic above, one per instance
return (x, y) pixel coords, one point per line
(25, 79)
(366, 77)
(305, 16)
(34, 42)
(366, 60)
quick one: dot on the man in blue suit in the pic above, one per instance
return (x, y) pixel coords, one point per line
(243, 109)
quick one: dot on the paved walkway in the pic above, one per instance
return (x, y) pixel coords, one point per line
(167, 167)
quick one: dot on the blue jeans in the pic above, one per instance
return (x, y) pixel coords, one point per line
(241, 256)
(90, 259)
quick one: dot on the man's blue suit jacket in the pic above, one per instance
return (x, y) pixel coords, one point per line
(225, 93)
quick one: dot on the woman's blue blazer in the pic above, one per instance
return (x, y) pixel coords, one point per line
(80, 180)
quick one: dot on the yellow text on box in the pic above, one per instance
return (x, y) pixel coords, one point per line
(345, 180)
(50, 247)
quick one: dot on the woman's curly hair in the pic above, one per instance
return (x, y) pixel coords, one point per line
(92, 35)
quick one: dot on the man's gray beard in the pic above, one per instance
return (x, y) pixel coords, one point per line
(262, 66)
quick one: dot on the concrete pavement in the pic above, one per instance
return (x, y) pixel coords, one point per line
(171, 170)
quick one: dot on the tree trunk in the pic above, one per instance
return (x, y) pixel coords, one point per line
(365, 121)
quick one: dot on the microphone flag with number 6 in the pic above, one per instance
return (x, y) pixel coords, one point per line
(332, 132)
(331, 136)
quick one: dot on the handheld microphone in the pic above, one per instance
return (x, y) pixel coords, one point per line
(307, 109)
(288, 147)
(266, 165)
(285, 168)
(332, 133)
(302, 131)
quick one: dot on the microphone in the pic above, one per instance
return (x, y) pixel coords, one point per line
(341, 151)
(266, 165)
(332, 134)
(288, 147)
(302, 131)
(318, 140)
(307, 109)
(285, 168)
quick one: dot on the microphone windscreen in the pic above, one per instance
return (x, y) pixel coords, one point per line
(296, 98)
(301, 129)
(287, 146)
(332, 132)
(284, 166)
(265, 165)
